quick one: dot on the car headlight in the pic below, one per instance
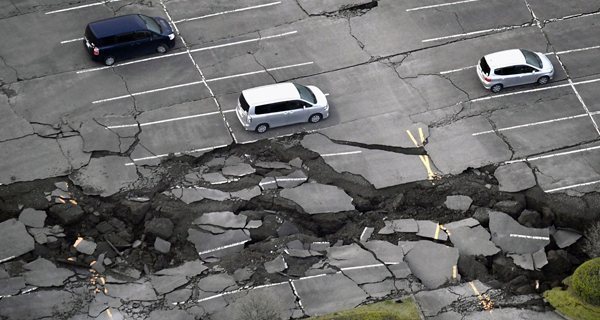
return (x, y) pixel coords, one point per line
(171, 36)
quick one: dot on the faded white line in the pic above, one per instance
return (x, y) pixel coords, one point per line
(523, 236)
(7, 259)
(341, 153)
(260, 71)
(470, 33)
(520, 92)
(163, 121)
(229, 11)
(175, 154)
(82, 6)
(457, 70)
(191, 50)
(578, 50)
(573, 186)
(531, 124)
(223, 247)
(584, 105)
(72, 40)
(363, 267)
(553, 155)
(440, 5)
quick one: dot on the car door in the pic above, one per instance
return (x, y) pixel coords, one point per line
(125, 45)
(295, 112)
(507, 76)
(526, 74)
(143, 43)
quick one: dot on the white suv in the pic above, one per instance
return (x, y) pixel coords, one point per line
(280, 104)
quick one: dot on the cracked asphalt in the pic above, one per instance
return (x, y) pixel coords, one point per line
(406, 108)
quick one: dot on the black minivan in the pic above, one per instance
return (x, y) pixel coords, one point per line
(126, 37)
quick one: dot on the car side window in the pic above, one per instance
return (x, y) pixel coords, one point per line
(127, 37)
(525, 69)
(295, 105)
(279, 106)
(142, 35)
(264, 109)
(506, 71)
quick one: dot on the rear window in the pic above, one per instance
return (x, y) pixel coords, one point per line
(532, 58)
(243, 103)
(89, 35)
(484, 66)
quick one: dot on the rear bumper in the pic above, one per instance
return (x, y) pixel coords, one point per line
(481, 77)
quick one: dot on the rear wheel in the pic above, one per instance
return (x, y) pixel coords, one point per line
(315, 118)
(162, 48)
(262, 128)
(543, 80)
(496, 88)
(109, 61)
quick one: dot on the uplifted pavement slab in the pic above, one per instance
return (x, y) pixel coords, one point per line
(223, 219)
(43, 273)
(215, 284)
(513, 237)
(210, 245)
(433, 302)
(135, 291)
(319, 198)
(14, 233)
(38, 304)
(565, 238)
(292, 180)
(329, 293)
(528, 261)
(189, 195)
(11, 286)
(106, 176)
(272, 165)
(432, 230)
(276, 265)
(368, 274)
(166, 284)
(434, 264)
(514, 177)
(351, 255)
(473, 241)
(384, 251)
(188, 269)
(380, 168)
(33, 218)
(102, 302)
(399, 225)
(238, 170)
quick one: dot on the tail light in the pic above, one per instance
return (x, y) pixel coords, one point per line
(487, 79)
(96, 51)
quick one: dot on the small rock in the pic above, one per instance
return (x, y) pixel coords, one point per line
(14, 233)
(161, 245)
(276, 265)
(565, 238)
(530, 218)
(287, 228)
(296, 162)
(67, 213)
(511, 207)
(85, 246)
(272, 165)
(482, 215)
(243, 274)
(104, 227)
(161, 227)
(33, 218)
(238, 170)
(458, 203)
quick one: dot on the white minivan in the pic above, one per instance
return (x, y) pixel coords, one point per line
(280, 104)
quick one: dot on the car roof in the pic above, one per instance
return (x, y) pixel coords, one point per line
(271, 93)
(117, 25)
(505, 58)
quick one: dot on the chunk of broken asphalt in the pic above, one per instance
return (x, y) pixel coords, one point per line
(276, 265)
(512, 237)
(434, 264)
(14, 233)
(160, 227)
(515, 177)
(316, 198)
(161, 245)
(33, 218)
(458, 203)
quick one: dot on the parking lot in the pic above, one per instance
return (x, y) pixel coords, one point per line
(388, 67)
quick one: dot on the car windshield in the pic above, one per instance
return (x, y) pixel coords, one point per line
(306, 94)
(484, 66)
(151, 24)
(532, 58)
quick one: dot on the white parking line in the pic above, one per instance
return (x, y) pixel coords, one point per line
(163, 121)
(340, 153)
(523, 236)
(554, 155)
(470, 33)
(200, 82)
(71, 40)
(223, 247)
(578, 50)
(82, 6)
(175, 154)
(573, 186)
(531, 124)
(520, 92)
(457, 70)
(230, 11)
(192, 50)
(440, 5)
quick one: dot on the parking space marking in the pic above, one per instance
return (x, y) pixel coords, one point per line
(573, 186)
(524, 236)
(82, 6)
(204, 81)
(175, 154)
(440, 5)
(224, 247)
(229, 11)
(473, 33)
(457, 70)
(71, 40)
(578, 50)
(143, 124)
(341, 153)
(424, 158)
(552, 155)
(191, 50)
(531, 124)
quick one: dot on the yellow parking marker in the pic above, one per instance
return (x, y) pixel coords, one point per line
(437, 232)
(454, 272)
(424, 158)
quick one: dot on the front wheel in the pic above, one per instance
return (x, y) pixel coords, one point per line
(315, 118)
(496, 88)
(109, 61)
(543, 80)
(162, 48)
(262, 128)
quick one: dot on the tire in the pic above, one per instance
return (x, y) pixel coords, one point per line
(262, 128)
(496, 88)
(109, 61)
(315, 118)
(543, 80)
(162, 48)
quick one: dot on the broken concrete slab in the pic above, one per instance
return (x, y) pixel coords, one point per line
(38, 304)
(515, 177)
(366, 234)
(330, 293)
(215, 284)
(85, 246)
(268, 183)
(136, 291)
(434, 264)
(178, 296)
(524, 260)
(111, 314)
(316, 198)
(33, 218)
(67, 213)
(539, 259)
(102, 302)
(223, 219)
(276, 265)
(247, 194)
(292, 180)
(190, 195)
(368, 274)
(272, 165)
(432, 230)
(43, 273)
(468, 222)
(105, 176)
(405, 225)
(512, 237)
(238, 170)
(351, 255)
(384, 251)
(13, 231)
(472, 241)
(458, 203)
(209, 245)
(161, 245)
(565, 238)
(400, 270)
(11, 286)
(214, 178)
(166, 284)
(188, 269)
